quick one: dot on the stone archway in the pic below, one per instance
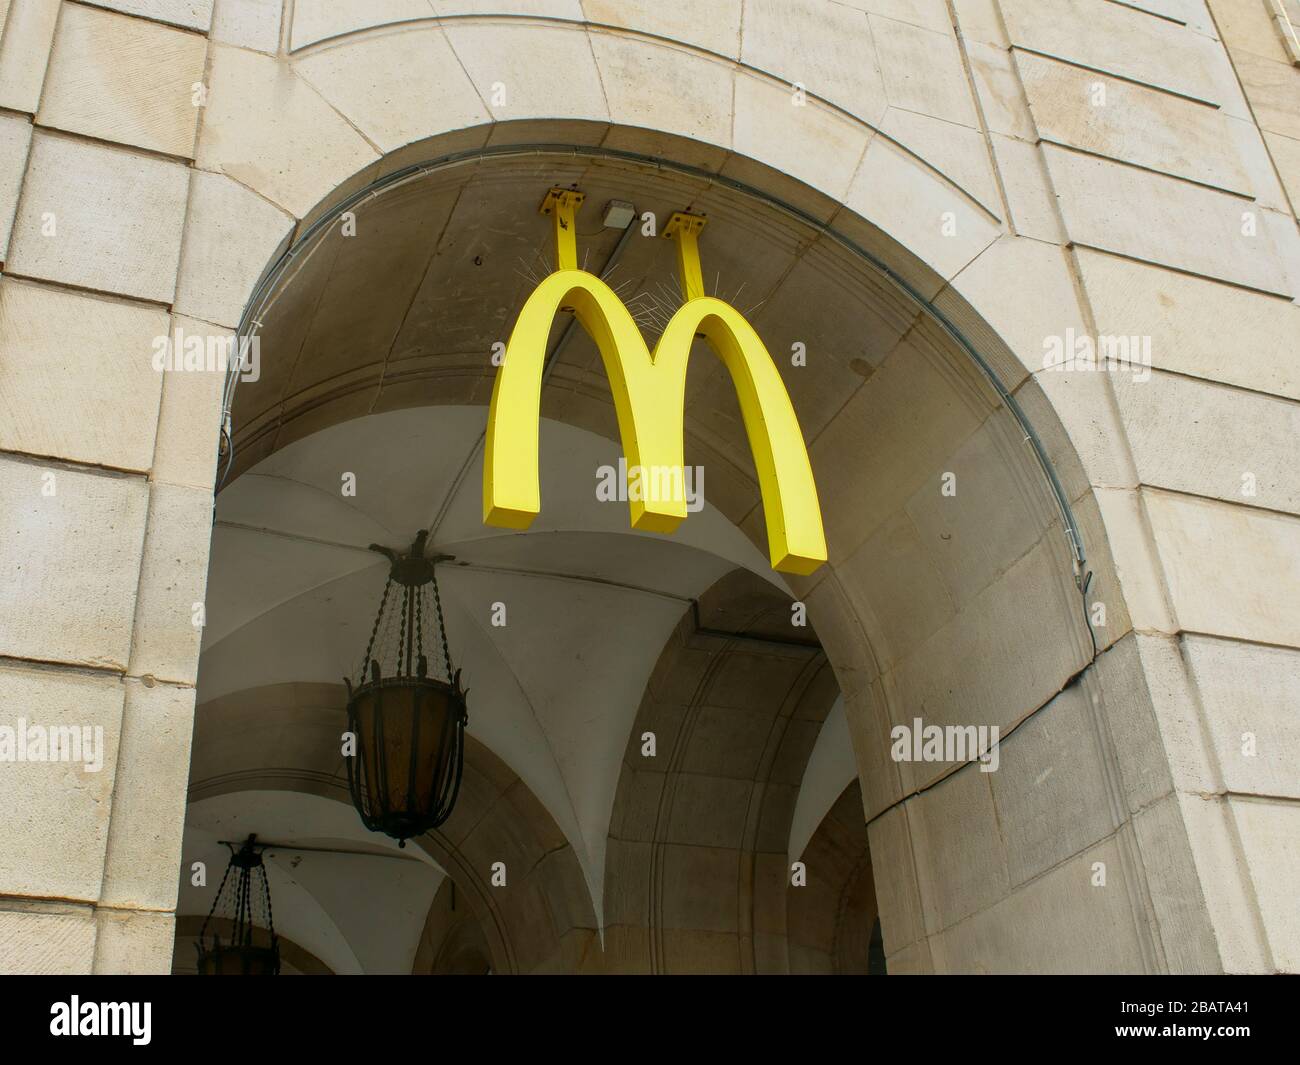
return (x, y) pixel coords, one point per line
(894, 598)
(696, 872)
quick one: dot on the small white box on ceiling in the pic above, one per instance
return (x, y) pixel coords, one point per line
(619, 214)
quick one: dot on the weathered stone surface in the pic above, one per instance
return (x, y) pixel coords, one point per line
(1116, 39)
(231, 236)
(1060, 449)
(1025, 181)
(1050, 787)
(919, 210)
(1261, 173)
(916, 959)
(1168, 418)
(396, 90)
(76, 378)
(714, 26)
(657, 87)
(1182, 922)
(193, 14)
(973, 537)
(844, 642)
(125, 239)
(144, 835)
(1225, 871)
(957, 151)
(1025, 291)
(251, 24)
(1248, 28)
(1192, 322)
(1271, 87)
(692, 950)
(1270, 839)
(502, 59)
(1101, 936)
(961, 859)
(134, 942)
(1285, 152)
(1286, 239)
(1142, 752)
(185, 451)
(1000, 91)
(124, 79)
(980, 20)
(868, 720)
(922, 70)
(963, 676)
(873, 433)
(1253, 728)
(1132, 123)
(47, 944)
(708, 811)
(1143, 215)
(294, 153)
(66, 596)
(901, 921)
(570, 10)
(173, 576)
(780, 37)
(812, 143)
(927, 14)
(15, 139)
(713, 911)
(55, 847)
(1107, 610)
(894, 577)
(1224, 564)
(25, 52)
(1193, 13)
(317, 20)
(1134, 592)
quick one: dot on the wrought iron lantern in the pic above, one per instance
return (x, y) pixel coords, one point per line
(406, 711)
(245, 902)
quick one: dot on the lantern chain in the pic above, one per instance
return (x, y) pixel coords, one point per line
(244, 909)
(442, 628)
(215, 899)
(374, 632)
(419, 631)
(270, 917)
(403, 638)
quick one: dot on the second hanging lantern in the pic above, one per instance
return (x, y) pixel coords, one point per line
(406, 710)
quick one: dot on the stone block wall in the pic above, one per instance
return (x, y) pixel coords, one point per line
(1114, 168)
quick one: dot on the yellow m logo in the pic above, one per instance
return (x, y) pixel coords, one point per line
(650, 397)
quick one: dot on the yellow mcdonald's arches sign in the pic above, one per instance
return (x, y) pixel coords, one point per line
(649, 396)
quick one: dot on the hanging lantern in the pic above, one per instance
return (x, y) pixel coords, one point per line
(252, 948)
(406, 710)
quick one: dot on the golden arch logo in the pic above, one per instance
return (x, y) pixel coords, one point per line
(649, 391)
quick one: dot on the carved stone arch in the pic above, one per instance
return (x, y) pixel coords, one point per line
(696, 868)
(917, 603)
